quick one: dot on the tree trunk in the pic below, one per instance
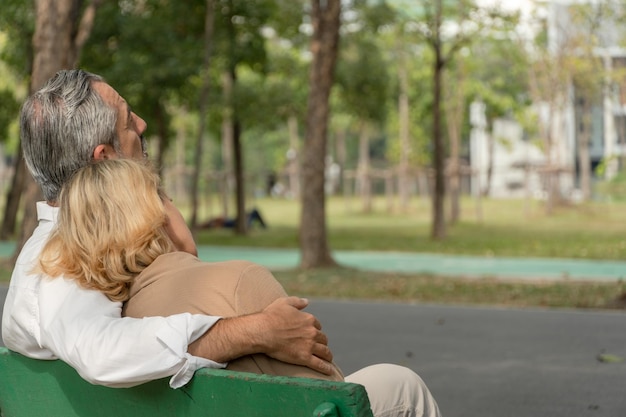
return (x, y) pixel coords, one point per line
(180, 167)
(364, 170)
(162, 123)
(486, 191)
(549, 177)
(227, 143)
(438, 231)
(60, 33)
(209, 19)
(584, 158)
(454, 121)
(240, 194)
(405, 144)
(294, 157)
(14, 196)
(240, 183)
(325, 16)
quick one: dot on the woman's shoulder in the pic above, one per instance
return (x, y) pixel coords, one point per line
(184, 258)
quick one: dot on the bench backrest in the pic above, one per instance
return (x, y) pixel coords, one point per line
(33, 388)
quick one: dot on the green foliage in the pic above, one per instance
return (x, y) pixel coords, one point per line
(267, 100)
(17, 21)
(420, 138)
(152, 51)
(363, 79)
(10, 89)
(498, 76)
(372, 16)
(147, 51)
(286, 17)
(614, 189)
(9, 108)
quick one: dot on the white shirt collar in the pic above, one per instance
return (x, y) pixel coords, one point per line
(47, 212)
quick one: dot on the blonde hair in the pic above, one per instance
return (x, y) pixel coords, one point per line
(111, 226)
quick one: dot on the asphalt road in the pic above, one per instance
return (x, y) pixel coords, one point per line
(488, 362)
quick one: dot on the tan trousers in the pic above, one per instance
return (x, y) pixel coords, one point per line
(178, 282)
(395, 391)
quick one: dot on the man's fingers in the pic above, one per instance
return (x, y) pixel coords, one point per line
(322, 366)
(323, 352)
(317, 324)
(297, 302)
(321, 338)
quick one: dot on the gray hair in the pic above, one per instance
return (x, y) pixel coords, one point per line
(60, 126)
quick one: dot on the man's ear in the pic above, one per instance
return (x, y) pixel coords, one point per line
(101, 152)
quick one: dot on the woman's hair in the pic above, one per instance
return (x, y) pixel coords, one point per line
(60, 126)
(111, 226)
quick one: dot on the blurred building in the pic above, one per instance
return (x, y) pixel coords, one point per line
(514, 166)
(608, 109)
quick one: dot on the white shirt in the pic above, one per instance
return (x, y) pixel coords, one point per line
(54, 318)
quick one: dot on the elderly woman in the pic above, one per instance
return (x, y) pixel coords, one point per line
(114, 235)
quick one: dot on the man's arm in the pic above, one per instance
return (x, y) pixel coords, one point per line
(282, 331)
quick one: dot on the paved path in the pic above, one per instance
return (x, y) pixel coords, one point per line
(488, 362)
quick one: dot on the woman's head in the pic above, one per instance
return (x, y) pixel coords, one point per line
(111, 225)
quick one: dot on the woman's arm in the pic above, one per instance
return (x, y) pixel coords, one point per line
(177, 229)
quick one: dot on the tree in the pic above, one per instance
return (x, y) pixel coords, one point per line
(18, 22)
(435, 39)
(504, 93)
(567, 61)
(9, 109)
(149, 51)
(446, 26)
(325, 16)
(455, 110)
(409, 125)
(589, 77)
(363, 78)
(478, 74)
(281, 92)
(209, 23)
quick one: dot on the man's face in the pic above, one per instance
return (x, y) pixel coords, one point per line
(129, 126)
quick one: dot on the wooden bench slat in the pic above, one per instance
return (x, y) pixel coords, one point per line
(32, 388)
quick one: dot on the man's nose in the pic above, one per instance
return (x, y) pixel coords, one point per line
(140, 123)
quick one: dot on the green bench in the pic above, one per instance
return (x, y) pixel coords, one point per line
(34, 388)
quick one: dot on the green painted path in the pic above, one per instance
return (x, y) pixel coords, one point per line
(448, 265)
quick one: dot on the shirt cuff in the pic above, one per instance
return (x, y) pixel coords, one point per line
(171, 338)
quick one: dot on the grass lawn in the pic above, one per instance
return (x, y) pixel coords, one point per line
(504, 228)
(345, 283)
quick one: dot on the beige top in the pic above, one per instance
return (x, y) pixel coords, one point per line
(178, 282)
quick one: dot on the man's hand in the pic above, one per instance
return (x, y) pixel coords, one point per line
(282, 331)
(295, 336)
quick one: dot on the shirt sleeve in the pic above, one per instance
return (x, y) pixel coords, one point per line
(85, 329)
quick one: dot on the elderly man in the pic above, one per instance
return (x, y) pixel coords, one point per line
(77, 118)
